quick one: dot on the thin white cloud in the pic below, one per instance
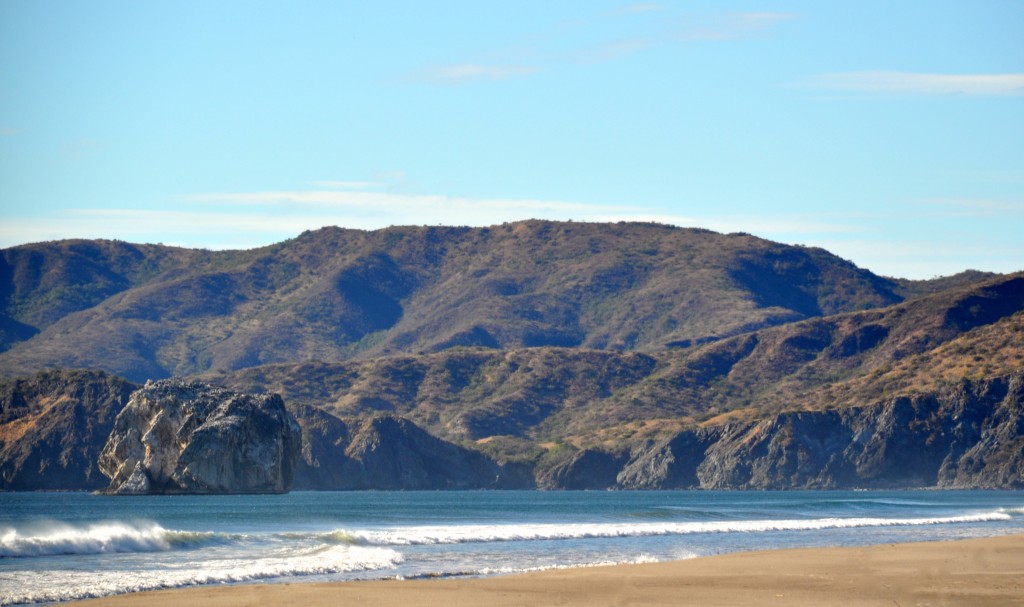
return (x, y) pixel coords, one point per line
(733, 26)
(544, 53)
(914, 83)
(345, 185)
(262, 218)
(9, 131)
(431, 208)
(405, 208)
(471, 72)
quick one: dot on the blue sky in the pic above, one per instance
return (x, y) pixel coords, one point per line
(891, 133)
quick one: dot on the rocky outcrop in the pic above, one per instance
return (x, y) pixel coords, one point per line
(671, 463)
(392, 453)
(173, 436)
(187, 437)
(52, 427)
(968, 435)
(583, 469)
(323, 464)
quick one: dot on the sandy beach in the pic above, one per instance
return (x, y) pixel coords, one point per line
(977, 572)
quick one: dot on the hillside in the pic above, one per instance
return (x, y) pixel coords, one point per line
(535, 354)
(925, 393)
(146, 311)
(507, 402)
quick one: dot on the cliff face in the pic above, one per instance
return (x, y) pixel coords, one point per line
(180, 437)
(965, 436)
(392, 453)
(52, 427)
(174, 436)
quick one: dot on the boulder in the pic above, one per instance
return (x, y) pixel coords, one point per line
(175, 436)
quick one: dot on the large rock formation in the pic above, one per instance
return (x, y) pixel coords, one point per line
(177, 437)
(581, 470)
(187, 437)
(968, 435)
(388, 452)
(52, 427)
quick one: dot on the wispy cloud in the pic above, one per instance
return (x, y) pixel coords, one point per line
(471, 72)
(544, 52)
(265, 217)
(389, 208)
(733, 26)
(346, 185)
(914, 83)
(385, 208)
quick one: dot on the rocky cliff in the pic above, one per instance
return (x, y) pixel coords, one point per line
(175, 436)
(53, 426)
(967, 435)
(388, 452)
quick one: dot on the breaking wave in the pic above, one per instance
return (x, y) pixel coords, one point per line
(39, 586)
(428, 535)
(55, 538)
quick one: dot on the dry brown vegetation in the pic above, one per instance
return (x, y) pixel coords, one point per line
(145, 311)
(525, 341)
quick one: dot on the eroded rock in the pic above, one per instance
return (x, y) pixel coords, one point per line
(175, 436)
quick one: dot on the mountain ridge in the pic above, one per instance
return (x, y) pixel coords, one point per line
(534, 354)
(148, 312)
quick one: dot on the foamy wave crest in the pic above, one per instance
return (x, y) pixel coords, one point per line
(50, 586)
(507, 533)
(53, 538)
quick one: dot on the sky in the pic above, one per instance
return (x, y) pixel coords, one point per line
(890, 133)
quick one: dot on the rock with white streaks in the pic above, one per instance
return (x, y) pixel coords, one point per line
(175, 436)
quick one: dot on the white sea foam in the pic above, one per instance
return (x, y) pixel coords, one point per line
(63, 585)
(53, 538)
(640, 560)
(428, 535)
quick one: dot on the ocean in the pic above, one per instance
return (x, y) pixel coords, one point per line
(63, 546)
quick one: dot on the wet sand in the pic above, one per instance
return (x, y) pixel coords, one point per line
(979, 573)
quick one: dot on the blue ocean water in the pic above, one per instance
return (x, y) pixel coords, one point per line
(62, 546)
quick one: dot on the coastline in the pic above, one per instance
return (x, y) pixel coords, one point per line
(979, 572)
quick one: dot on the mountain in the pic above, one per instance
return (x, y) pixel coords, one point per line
(607, 398)
(149, 312)
(534, 354)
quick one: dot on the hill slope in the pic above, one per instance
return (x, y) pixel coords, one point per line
(614, 400)
(925, 393)
(149, 312)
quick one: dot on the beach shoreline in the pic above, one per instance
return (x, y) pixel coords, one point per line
(979, 572)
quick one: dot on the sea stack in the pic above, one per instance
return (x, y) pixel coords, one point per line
(175, 436)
